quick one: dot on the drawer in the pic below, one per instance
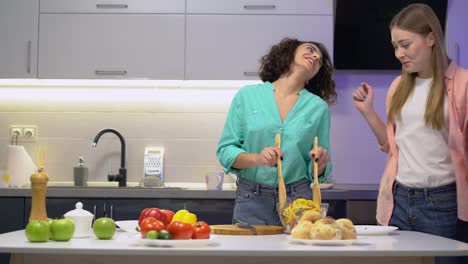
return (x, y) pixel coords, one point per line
(113, 6)
(302, 7)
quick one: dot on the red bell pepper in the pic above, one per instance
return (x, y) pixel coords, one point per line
(153, 212)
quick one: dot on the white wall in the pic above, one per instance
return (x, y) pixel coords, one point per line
(187, 122)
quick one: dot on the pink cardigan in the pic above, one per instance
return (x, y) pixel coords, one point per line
(456, 82)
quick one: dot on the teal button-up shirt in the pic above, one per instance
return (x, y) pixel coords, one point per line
(254, 120)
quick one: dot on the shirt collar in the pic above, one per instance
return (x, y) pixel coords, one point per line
(272, 87)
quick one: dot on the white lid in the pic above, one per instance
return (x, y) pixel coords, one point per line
(78, 211)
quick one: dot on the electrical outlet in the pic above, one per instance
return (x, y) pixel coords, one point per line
(23, 133)
(16, 131)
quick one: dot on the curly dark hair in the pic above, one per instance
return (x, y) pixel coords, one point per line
(280, 58)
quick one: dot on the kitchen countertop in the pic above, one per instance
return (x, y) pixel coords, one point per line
(337, 192)
(397, 244)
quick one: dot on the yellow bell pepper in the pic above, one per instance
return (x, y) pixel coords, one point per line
(184, 216)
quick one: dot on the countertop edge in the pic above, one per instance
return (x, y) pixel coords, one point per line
(338, 192)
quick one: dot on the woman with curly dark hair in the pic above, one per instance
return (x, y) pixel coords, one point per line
(280, 59)
(292, 101)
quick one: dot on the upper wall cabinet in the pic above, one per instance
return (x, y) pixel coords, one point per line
(259, 7)
(114, 6)
(152, 39)
(18, 38)
(226, 39)
(101, 39)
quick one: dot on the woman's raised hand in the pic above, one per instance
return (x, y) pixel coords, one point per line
(363, 98)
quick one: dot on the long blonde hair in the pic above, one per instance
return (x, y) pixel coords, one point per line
(421, 19)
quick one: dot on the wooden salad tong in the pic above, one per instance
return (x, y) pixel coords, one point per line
(317, 196)
(281, 185)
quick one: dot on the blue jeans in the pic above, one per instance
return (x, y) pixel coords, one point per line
(427, 210)
(256, 203)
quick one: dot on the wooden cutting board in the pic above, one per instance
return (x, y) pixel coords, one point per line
(235, 230)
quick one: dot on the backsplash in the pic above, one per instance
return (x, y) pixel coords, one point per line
(184, 118)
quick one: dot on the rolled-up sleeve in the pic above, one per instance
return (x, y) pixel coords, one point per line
(385, 147)
(231, 141)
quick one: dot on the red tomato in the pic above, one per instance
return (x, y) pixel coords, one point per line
(180, 230)
(169, 214)
(150, 223)
(201, 230)
(152, 212)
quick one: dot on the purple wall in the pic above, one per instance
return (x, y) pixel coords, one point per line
(457, 33)
(355, 155)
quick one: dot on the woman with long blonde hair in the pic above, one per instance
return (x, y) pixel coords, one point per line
(425, 183)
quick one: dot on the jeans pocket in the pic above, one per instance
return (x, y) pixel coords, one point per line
(302, 191)
(444, 201)
(243, 196)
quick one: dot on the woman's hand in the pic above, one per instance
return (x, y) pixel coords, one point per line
(268, 156)
(322, 158)
(363, 98)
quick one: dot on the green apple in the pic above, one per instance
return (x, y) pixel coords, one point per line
(104, 228)
(37, 231)
(49, 222)
(62, 229)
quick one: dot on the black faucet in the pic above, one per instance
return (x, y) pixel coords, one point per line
(122, 176)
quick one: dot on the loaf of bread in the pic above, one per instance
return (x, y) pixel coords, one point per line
(309, 227)
(325, 229)
(311, 215)
(302, 230)
(348, 230)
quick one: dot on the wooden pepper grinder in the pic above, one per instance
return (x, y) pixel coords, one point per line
(39, 188)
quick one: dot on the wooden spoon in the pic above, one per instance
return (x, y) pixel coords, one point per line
(317, 197)
(281, 185)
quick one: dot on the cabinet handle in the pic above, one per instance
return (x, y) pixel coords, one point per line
(28, 58)
(103, 72)
(104, 207)
(257, 7)
(111, 6)
(112, 211)
(250, 73)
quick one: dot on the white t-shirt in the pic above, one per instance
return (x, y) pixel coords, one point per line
(424, 158)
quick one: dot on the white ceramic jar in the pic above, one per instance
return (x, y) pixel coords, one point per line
(83, 221)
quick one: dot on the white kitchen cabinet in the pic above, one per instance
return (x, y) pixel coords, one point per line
(230, 46)
(245, 7)
(18, 38)
(90, 46)
(226, 39)
(152, 39)
(113, 6)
